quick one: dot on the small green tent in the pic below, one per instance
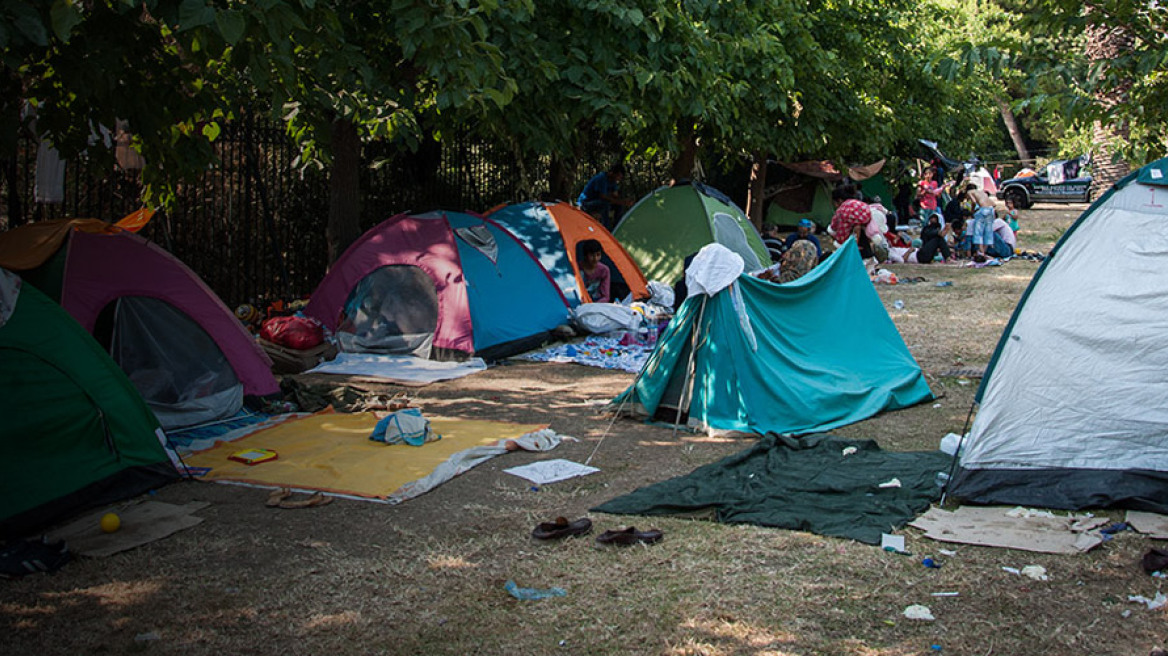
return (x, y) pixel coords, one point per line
(755, 357)
(672, 223)
(75, 433)
(803, 190)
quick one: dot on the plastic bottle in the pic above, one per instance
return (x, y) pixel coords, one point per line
(942, 479)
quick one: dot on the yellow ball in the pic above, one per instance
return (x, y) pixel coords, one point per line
(110, 522)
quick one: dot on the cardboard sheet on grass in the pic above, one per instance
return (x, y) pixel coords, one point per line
(333, 453)
(1013, 528)
(805, 484)
(1153, 525)
(141, 523)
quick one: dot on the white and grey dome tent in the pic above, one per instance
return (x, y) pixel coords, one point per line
(1074, 403)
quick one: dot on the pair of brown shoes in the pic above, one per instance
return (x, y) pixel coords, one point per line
(282, 498)
(562, 528)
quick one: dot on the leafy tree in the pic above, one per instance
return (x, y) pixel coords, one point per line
(173, 69)
(1098, 66)
(337, 72)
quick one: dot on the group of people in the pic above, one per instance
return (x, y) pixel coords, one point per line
(958, 222)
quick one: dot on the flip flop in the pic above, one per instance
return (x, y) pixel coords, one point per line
(630, 536)
(317, 499)
(277, 496)
(562, 528)
(30, 556)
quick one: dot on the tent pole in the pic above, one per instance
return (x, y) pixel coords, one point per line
(693, 349)
(957, 453)
(617, 413)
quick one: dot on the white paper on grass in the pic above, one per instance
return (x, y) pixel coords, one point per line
(896, 542)
(550, 471)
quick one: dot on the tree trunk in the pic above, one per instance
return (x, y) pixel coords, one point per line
(683, 166)
(559, 180)
(1106, 42)
(344, 220)
(1015, 133)
(754, 195)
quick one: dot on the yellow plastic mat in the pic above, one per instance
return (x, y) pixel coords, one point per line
(333, 452)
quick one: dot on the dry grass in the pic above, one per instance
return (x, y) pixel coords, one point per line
(427, 577)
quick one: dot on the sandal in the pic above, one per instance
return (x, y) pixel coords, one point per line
(30, 556)
(562, 528)
(278, 495)
(629, 536)
(284, 501)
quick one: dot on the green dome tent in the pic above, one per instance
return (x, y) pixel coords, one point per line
(672, 223)
(75, 433)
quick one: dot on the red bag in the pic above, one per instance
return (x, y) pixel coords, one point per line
(293, 332)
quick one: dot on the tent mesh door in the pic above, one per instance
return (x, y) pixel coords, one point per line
(392, 311)
(174, 364)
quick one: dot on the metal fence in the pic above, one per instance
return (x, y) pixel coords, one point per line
(254, 226)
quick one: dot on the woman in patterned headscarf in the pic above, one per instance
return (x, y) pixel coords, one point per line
(797, 261)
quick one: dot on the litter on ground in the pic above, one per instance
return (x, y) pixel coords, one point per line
(1013, 529)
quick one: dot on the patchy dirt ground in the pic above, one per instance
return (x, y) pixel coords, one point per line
(426, 577)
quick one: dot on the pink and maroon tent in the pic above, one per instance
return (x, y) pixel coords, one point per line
(443, 285)
(183, 349)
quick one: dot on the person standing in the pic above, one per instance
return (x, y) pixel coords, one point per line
(928, 193)
(850, 218)
(602, 194)
(983, 218)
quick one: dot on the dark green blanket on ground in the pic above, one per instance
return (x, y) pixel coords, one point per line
(805, 484)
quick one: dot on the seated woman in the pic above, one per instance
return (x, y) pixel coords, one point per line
(796, 262)
(933, 240)
(596, 275)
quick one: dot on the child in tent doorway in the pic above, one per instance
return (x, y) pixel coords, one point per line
(597, 277)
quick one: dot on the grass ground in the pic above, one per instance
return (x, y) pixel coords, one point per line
(426, 577)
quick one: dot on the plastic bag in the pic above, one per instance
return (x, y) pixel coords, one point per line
(408, 426)
(607, 317)
(294, 332)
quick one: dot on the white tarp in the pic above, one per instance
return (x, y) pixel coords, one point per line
(544, 439)
(713, 269)
(398, 368)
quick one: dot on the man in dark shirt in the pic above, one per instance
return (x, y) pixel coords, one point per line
(803, 233)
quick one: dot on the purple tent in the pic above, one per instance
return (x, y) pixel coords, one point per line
(183, 349)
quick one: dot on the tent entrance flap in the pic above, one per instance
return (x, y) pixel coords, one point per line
(392, 311)
(729, 233)
(173, 363)
(674, 405)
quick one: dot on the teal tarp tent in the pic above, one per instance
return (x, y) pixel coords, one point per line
(810, 355)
